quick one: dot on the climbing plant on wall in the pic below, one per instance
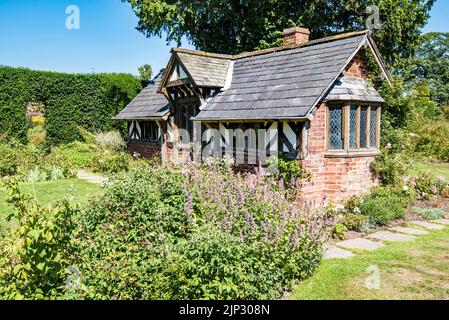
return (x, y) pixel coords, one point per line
(70, 100)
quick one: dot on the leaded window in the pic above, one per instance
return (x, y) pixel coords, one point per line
(373, 127)
(353, 127)
(335, 128)
(363, 124)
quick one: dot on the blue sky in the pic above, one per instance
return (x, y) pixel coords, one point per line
(33, 34)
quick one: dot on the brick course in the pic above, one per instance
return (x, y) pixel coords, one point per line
(146, 150)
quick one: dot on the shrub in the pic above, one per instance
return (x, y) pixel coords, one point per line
(430, 137)
(86, 100)
(110, 162)
(427, 185)
(429, 213)
(195, 232)
(286, 170)
(349, 216)
(111, 141)
(390, 167)
(37, 249)
(8, 162)
(383, 206)
(77, 154)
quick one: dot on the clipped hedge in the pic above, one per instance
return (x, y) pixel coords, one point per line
(86, 100)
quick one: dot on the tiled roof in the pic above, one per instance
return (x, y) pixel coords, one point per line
(284, 84)
(353, 89)
(205, 71)
(148, 104)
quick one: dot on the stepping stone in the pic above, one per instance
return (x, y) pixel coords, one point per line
(390, 236)
(414, 232)
(428, 225)
(337, 253)
(442, 221)
(360, 244)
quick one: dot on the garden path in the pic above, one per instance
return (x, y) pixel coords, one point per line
(90, 177)
(344, 249)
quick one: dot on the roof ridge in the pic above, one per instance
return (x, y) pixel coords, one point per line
(203, 53)
(270, 50)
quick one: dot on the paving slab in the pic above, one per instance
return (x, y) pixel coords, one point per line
(411, 231)
(428, 225)
(337, 253)
(390, 236)
(442, 221)
(360, 244)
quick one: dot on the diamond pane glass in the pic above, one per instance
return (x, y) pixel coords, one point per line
(335, 122)
(372, 128)
(352, 127)
(363, 124)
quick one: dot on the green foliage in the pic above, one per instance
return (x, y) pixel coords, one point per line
(252, 24)
(145, 73)
(429, 213)
(8, 164)
(70, 100)
(426, 185)
(391, 167)
(37, 249)
(348, 216)
(162, 233)
(340, 231)
(384, 205)
(431, 65)
(430, 137)
(110, 162)
(111, 140)
(77, 154)
(287, 170)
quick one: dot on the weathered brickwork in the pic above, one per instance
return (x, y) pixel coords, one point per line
(145, 150)
(332, 179)
(358, 68)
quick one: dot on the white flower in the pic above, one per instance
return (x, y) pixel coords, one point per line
(357, 210)
(405, 188)
(389, 145)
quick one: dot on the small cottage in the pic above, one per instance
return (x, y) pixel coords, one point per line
(314, 101)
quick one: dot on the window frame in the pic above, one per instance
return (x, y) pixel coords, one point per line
(155, 129)
(346, 127)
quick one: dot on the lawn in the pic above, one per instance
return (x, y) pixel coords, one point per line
(417, 269)
(47, 192)
(437, 168)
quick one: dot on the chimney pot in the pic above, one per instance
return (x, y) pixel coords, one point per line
(295, 36)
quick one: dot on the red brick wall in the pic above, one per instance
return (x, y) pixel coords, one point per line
(332, 179)
(358, 67)
(146, 150)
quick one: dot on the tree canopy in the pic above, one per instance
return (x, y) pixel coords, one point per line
(431, 66)
(145, 73)
(234, 26)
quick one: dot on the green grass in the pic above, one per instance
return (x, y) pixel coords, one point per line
(439, 169)
(50, 191)
(417, 269)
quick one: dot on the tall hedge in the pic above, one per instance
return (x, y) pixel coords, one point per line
(70, 100)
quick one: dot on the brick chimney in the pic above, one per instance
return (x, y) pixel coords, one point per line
(295, 36)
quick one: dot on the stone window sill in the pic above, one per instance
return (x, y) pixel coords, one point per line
(352, 153)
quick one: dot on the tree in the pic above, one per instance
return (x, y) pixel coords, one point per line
(145, 73)
(431, 66)
(234, 26)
